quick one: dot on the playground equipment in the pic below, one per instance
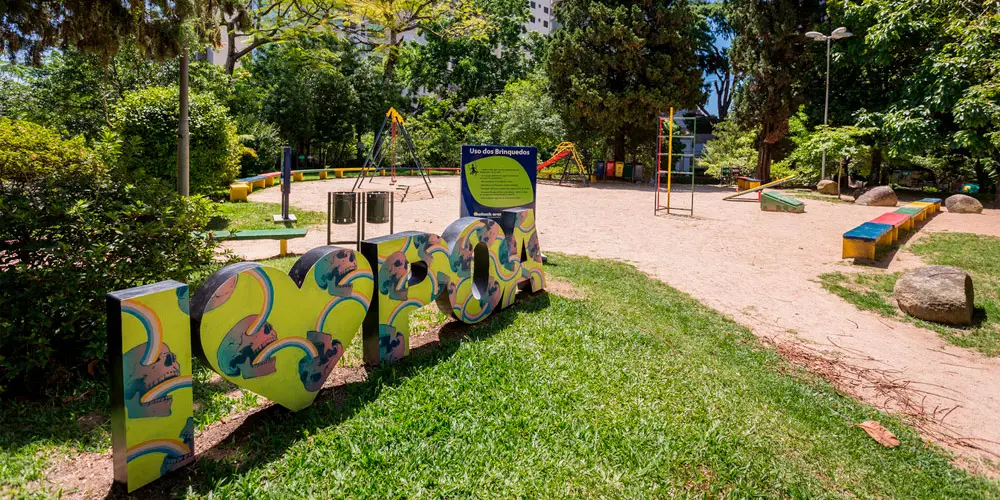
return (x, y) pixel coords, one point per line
(386, 149)
(753, 186)
(777, 202)
(862, 241)
(567, 152)
(687, 138)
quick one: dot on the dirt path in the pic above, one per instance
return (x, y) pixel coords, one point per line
(761, 269)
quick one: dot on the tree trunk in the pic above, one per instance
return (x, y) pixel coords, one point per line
(388, 72)
(231, 55)
(764, 162)
(996, 189)
(620, 146)
(876, 177)
(183, 132)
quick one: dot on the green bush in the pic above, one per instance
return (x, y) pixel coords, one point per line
(73, 231)
(732, 147)
(262, 147)
(147, 120)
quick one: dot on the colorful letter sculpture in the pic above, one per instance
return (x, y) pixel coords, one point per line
(149, 345)
(265, 332)
(280, 335)
(522, 241)
(412, 269)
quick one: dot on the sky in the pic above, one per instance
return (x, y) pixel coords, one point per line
(713, 104)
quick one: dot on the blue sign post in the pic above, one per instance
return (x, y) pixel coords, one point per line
(497, 178)
(286, 185)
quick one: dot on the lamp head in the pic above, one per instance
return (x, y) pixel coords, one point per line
(840, 32)
(815, 35)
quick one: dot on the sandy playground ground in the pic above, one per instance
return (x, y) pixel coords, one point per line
(759, 268)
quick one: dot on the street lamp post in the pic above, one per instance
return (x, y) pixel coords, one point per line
(837, 34)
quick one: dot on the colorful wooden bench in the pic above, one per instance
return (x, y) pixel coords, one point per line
(934, 201)
(283, 235)
(238, 191)
(747, 183)
(919, 214)
(860, 242)
(339, 172)
(896, 220)
(324, 173)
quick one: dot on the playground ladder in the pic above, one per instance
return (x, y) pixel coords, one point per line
(690, 133)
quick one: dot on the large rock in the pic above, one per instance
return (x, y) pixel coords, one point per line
(942, 294)
(827, 186)
(962, 204)
(881, 196)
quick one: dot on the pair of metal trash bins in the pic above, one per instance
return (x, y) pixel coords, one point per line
(347, 207)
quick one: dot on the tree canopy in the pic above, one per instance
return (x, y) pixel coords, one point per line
(615, 65)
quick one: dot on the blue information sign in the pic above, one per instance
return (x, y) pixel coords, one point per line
(496, 178)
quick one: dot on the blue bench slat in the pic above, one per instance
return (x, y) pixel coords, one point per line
(929, 200)
(869, 231)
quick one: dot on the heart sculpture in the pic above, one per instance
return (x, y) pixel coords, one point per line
(280, 335)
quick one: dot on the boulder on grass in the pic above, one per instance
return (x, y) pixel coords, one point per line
(881, 196)
(942, 294)
(962, 204)
(827, 186)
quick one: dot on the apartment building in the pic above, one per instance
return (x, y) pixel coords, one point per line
(542, 19)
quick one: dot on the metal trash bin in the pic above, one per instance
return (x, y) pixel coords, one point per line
(344, 210)
(637, 174)
(378, 207)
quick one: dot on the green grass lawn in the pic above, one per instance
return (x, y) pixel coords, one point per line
(976, 254)
(256, 215)
(634, 390)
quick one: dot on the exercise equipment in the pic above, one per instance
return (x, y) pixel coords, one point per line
(687, 138)
(759, 188)
(567, 151)
(773, 201)
(386, 149)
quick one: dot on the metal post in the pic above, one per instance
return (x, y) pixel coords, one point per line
(286, 186)
(329, 216)
(670, 157)
(659, 163)
(826, 108)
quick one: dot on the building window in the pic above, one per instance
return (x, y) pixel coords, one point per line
(546, 9)
(532, 19)
(532, 5)
(545, 23)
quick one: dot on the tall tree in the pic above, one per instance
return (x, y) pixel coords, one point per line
(384, 24)
(713, 52)
(29, 28)
(615, 65)
(770, 50)
(258, 23)
(307, 95)
(468, 67)
(160, 28)
(924, 73)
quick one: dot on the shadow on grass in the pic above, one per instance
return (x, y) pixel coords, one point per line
(265, 435)
(885, 255)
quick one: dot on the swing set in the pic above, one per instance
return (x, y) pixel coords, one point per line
(567, 153)
(386, 152)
